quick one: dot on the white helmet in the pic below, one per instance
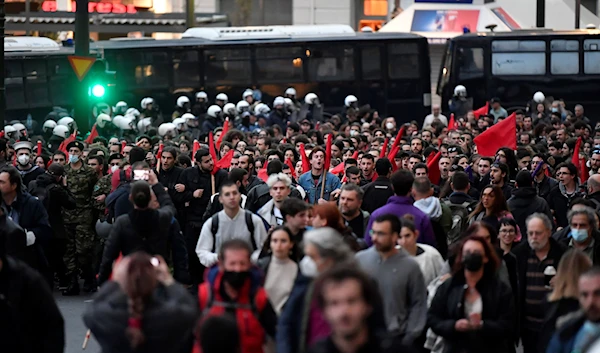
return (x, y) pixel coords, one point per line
(539, 97)
(59, 130)
(133, 112)
(460, 91)
(214, 111)
(261, 108)
(230, 109)
(349, 100)
(202, 95)
(117, 120)
(310, 98)
(247, 93)
(179, 123)
(182, 100)
(291, 91)
(68, 122)
(278, 101)
(167, 128)
(102, 119)
(49, 125)
(126, 123)
(120, 106)
(288, 102)
(242, 106)
(146, 101)
(188, 116)
(9, 129)
(222, 97)
(19, 127)
(143, 125)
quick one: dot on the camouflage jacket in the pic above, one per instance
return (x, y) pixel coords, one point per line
(81, 184)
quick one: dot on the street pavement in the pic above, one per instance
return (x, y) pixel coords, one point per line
(72, 309)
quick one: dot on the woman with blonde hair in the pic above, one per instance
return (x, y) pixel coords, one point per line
(564, 298)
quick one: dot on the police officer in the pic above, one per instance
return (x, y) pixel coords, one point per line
(79, 223)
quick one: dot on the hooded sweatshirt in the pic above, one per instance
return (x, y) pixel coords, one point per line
(431, 206)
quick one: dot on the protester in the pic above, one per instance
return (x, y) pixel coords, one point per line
(354, 216)
(491, 208)
(380, 190)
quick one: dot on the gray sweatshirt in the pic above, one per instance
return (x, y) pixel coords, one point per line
(402, 289)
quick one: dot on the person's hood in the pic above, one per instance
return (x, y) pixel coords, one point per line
(400, 200)
(525, 194)
(431, 206)
(563, 189)
(44, 180)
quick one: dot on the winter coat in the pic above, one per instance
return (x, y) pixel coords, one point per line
(563, 341)
(377, 194)
(560, 203)
(194, 179)
(59, 197)
(524, 203)
(555, 312)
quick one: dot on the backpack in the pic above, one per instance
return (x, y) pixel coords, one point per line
(43, 194)
(214, 228)
(460, 220)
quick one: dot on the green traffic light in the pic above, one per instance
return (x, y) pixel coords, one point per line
(98, 90)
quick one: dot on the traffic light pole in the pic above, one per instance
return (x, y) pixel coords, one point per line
(82, 48)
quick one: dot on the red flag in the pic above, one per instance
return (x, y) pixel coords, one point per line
(262, 172)
(512, 115)
(397, 139)
(2, 134)
(434, 168)
(502, 134)
(68, 140)
(339, 169)
(384, 148)
(305, 162)
(225, 129)
(452, 123)
(327, 162)
(430, 157)
(195, 148)
(159, 152)
(392, 157)
(211, 146)
(482, 111)
(292, 167)
(123, 145)
(223, 163)
(92, 136)
(39, 148)
(284, 140)
(580, 162)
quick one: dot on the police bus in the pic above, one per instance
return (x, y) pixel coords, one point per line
(388, 71)
(514, 65)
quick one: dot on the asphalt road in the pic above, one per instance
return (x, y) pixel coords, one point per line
(72, 309)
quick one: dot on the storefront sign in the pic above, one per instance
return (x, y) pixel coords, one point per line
(93, 7)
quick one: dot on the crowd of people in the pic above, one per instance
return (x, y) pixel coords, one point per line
(255, 228)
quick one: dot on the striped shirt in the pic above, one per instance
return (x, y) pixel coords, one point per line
(536, 291)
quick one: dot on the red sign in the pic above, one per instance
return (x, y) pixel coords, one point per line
(97, 7)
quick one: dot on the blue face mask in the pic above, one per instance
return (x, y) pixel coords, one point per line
(579, 235)
(73, 158)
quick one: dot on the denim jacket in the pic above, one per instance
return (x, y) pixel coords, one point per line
(313, 192)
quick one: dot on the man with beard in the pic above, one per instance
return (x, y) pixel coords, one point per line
(499, 176)
(240, 178)
(543, 183)
(169, 176)
(246, 161)
(539, 255)
(582, 329)
(351, 199)
(595, 161)
(400, 279)
(279, 189)
(559, 199)
(312, 180)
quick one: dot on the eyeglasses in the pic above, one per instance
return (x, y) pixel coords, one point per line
(507, 231)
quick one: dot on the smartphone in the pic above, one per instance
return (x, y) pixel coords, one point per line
(141, 175)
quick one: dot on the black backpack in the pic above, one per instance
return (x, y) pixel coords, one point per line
(214, 228)
(460, 220)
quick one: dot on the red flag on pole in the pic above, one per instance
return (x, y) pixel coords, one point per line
(292, 167)
(452, 123)
(159, 152)
(434, 168)
(223, 163)
(195, 149)
(211, 146)
(68, 140)
(305, 162)
(123, 145)
(327, 162)
(392, 157)
(580, 162)
(262, 172)
(39, 148)
(384, 148)
(225, 129)
(502, 134)
(482, 111)
(92, 136)
(398, 138)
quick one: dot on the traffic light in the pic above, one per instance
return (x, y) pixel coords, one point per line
(100, 81)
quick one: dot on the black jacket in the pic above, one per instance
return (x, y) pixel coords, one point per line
(15, 238)
(545, 186)
(560, 204)
(259, 196)
(376, 194)
(150, 231)
(29, 318)
(507, 190)
(459, 198)
(564, 241)
(59, 197)
(498, 312)
(555, 310)
(525, 202)
(168, 319)
(169, 178)
(193, 179)
(253, 181)
(378, 343)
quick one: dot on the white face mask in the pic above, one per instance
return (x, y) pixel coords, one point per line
(114, 168)
(353, 132)
(308, 267)
(389, 126)
(23, 159)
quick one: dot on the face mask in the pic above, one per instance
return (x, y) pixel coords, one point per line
(353, 132)
(308, 267)
(114, 168)
(579, 235)
(73, 158)
(389, 126)
(473, 262)
(236, 279)
(554, 110)
(23, 159)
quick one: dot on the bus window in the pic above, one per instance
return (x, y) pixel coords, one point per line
(15, 92)
(403, 60)
(36, 91)
(444, 75)
(334, 63)
(371, 63)
(185, 68)
(154, 69)
(564, 59)
(518, 57)
(226, 66)
(35, 67)
(470, 63)
(591, 56)
(279, 64)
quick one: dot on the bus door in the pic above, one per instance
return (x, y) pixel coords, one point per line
(469, 65)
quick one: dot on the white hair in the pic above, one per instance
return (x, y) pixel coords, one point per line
(329, 243)
(275, 178)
